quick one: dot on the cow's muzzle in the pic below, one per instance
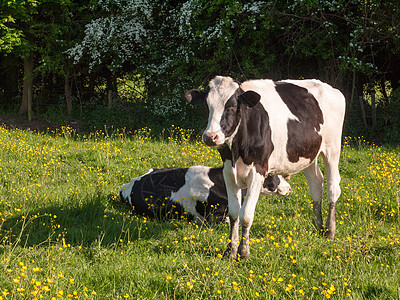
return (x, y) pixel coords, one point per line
(284, 191)
(210, 138)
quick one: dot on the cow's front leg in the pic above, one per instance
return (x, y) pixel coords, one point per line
(247, 212)
(234, 208)
(234, 203)
(232, 248)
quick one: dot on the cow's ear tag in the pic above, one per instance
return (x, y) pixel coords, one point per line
(250, 98)
(194, 96)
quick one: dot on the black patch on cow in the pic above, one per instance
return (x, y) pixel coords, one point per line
(250, 98)
(216, 207)
(253, 141)
(231, 114)
(150, 195)
(271, 182)
(225, 152)
(303, 137)
(195, 96)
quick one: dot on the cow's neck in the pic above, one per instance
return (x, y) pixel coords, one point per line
(229, 140)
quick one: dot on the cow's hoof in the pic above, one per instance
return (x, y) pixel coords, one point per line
(231, 252)
(329, 234)
(243, 252)
(319, 227)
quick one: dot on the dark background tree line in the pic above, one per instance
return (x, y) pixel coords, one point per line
(127, 62)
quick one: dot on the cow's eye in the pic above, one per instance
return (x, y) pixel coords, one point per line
(229, 120)
(230, 112)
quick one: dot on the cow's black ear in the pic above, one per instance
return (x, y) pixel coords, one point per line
(195, 96)
(250, 98)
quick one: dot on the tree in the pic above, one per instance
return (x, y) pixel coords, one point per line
(18, 37)
(40, 40)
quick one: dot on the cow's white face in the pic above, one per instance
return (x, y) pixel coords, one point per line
(223, 101)
(221, 91)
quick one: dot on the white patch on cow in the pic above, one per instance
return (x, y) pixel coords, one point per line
(196, 188)
(126, 189)
(221, 89)
(243, 172)
(284, 187)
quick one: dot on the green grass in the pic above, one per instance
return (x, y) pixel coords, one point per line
(65, 234)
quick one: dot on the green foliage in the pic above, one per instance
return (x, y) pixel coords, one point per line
(175, 46)
(21, 24)
(390, 125)
(9, 37)
(12, 16)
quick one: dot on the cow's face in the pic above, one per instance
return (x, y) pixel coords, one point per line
(223, 100)
(275, 185)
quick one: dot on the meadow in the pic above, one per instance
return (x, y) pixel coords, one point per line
(64, 234)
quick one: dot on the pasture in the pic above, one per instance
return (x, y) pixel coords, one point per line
(65, 235)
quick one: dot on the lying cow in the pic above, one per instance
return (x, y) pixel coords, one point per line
(266, 127)
(198, 192)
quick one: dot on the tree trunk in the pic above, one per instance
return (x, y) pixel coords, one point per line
(373, 109)
(89, 92)
(110, 94)
(68, 98)
(27, 95)
(111, 80)
(363, 112)
(30, 115)
(383, 90)
(353, 89)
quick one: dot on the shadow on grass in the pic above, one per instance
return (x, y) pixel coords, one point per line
(375, 291)
(97, 221)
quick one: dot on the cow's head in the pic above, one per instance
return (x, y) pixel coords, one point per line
(224, 100)
(275, 185)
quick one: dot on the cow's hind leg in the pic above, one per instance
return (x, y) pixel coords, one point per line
(315, 181)
(331, 162)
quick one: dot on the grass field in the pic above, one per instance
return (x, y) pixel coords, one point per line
(64, 233)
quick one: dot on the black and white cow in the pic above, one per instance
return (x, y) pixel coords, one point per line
(197, 192)
(266, 127)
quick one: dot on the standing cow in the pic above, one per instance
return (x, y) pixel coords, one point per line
(266, 127)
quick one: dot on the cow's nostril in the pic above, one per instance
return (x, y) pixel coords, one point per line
(210, 138)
